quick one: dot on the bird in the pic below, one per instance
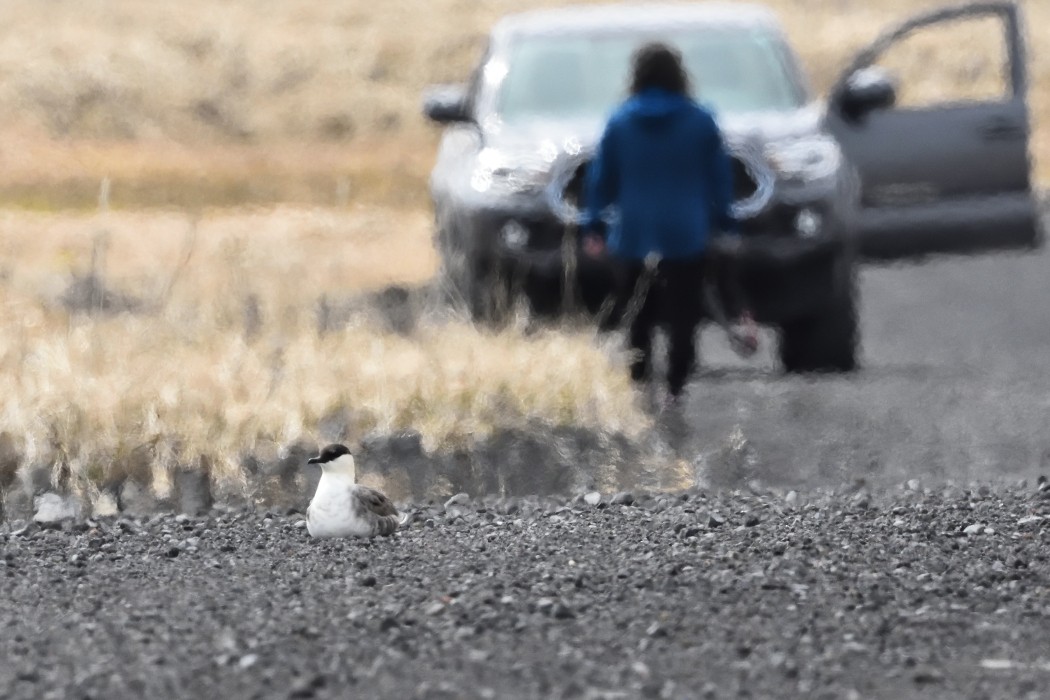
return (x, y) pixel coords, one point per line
(342, 508)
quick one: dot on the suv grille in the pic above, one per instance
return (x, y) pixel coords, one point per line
(752, 186)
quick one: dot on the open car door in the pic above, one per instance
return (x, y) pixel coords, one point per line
(934, 116)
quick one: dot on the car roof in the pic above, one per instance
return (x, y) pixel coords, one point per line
(651, 17)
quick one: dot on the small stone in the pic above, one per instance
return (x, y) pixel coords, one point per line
(975, 529)
(508, 507)
(368, 581)
(791, 498)
(51, 508)
(563, 612)
(927, 676)
(1030, 520)
(914, 485)
(752, 520)
(715, 520)
(308, 687)
(300, 525)
(460, 499)
(593, 498)
(656, 630)
(248, 660)
(623, 498)
(544, 605)
(435, 608)
(29, 676)
(182, 518)
(172, 552)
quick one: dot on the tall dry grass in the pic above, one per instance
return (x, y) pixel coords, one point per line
(262, 100)
(206, 343)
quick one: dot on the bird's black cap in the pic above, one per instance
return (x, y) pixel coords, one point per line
(330, 453)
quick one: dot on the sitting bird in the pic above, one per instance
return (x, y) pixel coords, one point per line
(342, 508)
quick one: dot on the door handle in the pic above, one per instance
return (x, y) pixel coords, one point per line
(1002, 130)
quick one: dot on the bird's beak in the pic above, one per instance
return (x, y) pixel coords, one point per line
(314, 460)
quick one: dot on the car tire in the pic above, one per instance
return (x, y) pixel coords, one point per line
(828, 342)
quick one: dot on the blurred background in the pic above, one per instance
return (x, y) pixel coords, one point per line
(195, 195)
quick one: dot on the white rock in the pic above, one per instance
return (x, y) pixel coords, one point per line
(52, 508)
(975, 529)
(460, 499)
(593, 498)
(1030, 520)
(105, 505)
(998, 664)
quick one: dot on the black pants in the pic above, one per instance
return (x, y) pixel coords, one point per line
(673, 300)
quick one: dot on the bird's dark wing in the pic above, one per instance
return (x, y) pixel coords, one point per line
(374, 502)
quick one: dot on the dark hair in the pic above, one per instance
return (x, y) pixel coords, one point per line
(657, 65)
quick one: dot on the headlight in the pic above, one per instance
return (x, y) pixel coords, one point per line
(514, 235)
(807, 159)
(498, 174)
(808, 223)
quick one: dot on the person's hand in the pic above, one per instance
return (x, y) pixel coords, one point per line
(593, 245)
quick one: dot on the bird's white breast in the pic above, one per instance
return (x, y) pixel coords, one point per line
(332, 512)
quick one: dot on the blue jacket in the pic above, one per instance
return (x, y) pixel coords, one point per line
(662, 164)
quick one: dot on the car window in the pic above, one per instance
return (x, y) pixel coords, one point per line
(565, 76)
(962, 61)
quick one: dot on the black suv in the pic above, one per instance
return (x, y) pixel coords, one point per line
(819, 185)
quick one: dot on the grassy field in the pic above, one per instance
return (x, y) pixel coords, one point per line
(258, 157)
(194, 103)
(201, 337)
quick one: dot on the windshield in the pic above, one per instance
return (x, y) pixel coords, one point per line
(732, 70)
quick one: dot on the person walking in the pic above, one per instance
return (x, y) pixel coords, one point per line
(662, 167)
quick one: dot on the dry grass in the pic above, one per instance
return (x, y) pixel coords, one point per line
(225, 355)
(203, 103)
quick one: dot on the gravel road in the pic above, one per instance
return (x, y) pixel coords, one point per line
(920, 592)
(955, 385)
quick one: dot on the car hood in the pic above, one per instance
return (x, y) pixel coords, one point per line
(551, 139)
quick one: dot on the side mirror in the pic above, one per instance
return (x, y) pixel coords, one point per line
(866, 90)
(446, 104)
